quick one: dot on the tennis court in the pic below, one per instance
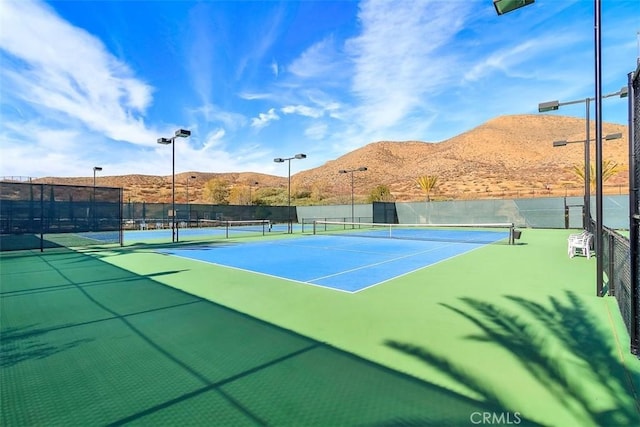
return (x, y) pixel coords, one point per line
(133, 336)
(348, 264)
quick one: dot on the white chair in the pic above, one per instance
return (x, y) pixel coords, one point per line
(580, 244)
(578, 234)
(575, 237)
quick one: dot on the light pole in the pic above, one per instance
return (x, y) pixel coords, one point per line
(586, 223)
(95, 169)
(599, 202)
(351, 171)
(586, 220)
(93, 199)
(504, 6)
(188, 205)
(180, 133)
(288, 159)
(554, 105)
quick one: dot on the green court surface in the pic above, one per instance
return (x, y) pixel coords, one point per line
(505, 334)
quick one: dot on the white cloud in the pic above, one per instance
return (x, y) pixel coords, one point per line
(416, 69)
(213, 113)
(65, 69)
(214, 138)
(250, 96)
(317, 131)
(321, 60)
(263, 119)
(302, 110)
(400, 56)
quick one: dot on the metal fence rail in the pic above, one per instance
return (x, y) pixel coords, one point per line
(634, 208)
(617, 268)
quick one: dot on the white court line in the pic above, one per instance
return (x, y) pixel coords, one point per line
(382, 262)
(334, 248)
(258, 272)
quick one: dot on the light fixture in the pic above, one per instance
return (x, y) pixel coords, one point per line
(613, 136)
(554, 105)
(288, 159)
(351, 171)
(180, 133)
(548, 106)
(506, 6)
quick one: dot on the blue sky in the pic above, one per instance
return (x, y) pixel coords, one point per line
(96, 83)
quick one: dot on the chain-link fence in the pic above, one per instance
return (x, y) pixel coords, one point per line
(548, 212)
(39, 216)
(633, 301)
(617, 268)
(158, 215)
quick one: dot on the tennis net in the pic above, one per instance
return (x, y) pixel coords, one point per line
(469, 233)
(258, 226)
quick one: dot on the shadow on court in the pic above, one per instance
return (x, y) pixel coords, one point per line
(87, 343)
(589, 379)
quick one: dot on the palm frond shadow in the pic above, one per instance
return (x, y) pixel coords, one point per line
(29, 342)
(564, 349)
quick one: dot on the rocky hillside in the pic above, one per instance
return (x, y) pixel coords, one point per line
(509, 156)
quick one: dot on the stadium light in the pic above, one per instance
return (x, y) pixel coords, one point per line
(586, 219)
(288, 159)
(543, 107)
(613, 136)
(609, 137)
(597, 42)
(506, 6)
(555, 105)
(180, 133)
(597, 48)
(351, 171)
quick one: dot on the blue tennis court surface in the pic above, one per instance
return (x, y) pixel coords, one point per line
(348, 264)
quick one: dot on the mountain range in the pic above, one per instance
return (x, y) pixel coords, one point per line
(506, 157)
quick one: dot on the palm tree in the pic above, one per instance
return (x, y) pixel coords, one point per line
(609, 169)
(427, 183)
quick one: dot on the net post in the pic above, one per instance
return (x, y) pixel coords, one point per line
(41, 217)
(121, 230)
